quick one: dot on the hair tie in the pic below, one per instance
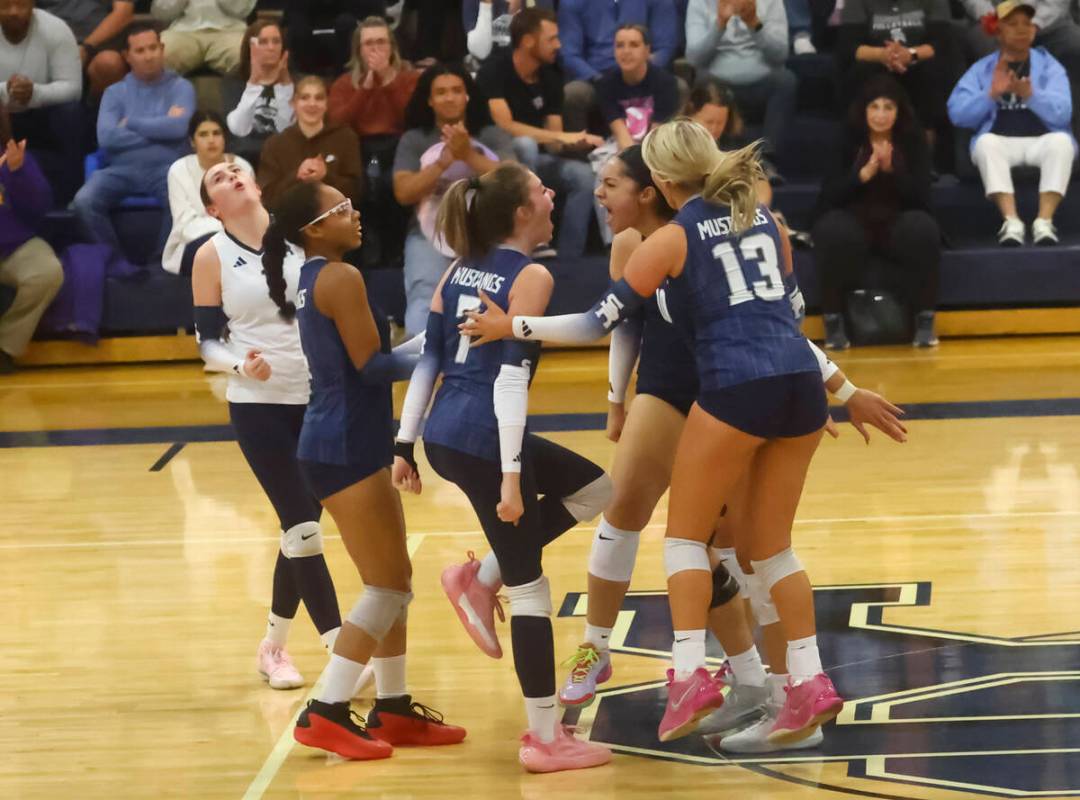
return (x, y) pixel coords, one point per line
(474, 182)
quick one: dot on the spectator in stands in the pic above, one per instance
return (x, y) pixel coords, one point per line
(524, 92)
(191, 224)
(371, 97)
(310, 150)
(745, 44)
(141, 128)
(321, 31)
(1018, 102)
(259, 92)
(202, 34)
(875, 201)
(587, 31)
(487, 24)
(98, 26)
(800, 22)
(41, 82)
(636, 94)
(450, 136)
(909, 39)
(27, 263)
(712, 104)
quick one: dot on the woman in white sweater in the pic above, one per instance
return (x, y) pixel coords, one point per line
(191, 224)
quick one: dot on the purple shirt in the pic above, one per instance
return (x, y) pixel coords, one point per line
(25, 196)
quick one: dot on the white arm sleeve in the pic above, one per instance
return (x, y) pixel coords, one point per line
(623, 354)
(411, 347)
(219, 358)
(828, 368)
(511, 396)
(479, 39)
(417, 398)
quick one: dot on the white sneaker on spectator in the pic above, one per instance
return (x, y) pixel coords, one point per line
(802, 45)
(1043, 231)
(1012, 232)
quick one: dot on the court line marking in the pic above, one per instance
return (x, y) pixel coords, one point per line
(477, 532)
(167, 456)
(284, 745)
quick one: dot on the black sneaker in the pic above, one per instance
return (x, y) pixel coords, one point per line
(835, 335)
(335, 727)
(924, 330)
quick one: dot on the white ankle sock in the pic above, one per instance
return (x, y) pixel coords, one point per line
(776, 684)
(803, 659)
(389, 677)
(688, 652)
(598, 637)
(543, 713)
(277, 629)
(748, 668)
(339, 681)
(329, 638)
(489, 573)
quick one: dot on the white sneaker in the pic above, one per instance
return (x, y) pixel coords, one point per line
(276, 667)
(1043, 232)
(1012, 232)
(802, 45)
(755, 738)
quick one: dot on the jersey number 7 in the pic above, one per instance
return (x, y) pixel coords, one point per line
(465, 302)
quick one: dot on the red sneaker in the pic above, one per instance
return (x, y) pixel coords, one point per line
(335, 727)
(399, 721)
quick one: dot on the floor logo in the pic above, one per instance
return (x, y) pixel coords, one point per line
(926, 707)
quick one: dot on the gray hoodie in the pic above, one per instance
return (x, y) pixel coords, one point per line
(737, 55)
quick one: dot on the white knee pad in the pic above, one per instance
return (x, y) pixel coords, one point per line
(590, 499)
(614, 552)
(681, 555)
(774, 569)
(530, 599)
(303, 540)
(731, 562)
(761, 601)
(378, 609)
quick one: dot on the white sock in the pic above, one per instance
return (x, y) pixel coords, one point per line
(688, 652)
(598, 637)
(803, 659)
(489, 574)
(748, 668)
(389, 677)
(329, 638)
(543, 713)
(339, 681)
(277, 629)
(776, 684)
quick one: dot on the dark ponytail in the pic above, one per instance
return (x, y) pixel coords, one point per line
(297, 207)
(635, 169)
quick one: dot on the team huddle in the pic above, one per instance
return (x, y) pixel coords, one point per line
(730, 407)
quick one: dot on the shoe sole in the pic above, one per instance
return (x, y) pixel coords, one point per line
(467, 625)
(819, 719)
(716, 744)
(279, 685)
(310, 734)
(691, 724)
(568, 768)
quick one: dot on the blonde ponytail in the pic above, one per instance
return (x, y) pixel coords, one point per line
(732, 183)
(452, 221)
(683, 152)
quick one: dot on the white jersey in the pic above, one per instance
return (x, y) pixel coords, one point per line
(255, 324)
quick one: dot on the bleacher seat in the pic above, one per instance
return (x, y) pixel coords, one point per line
(99, 160)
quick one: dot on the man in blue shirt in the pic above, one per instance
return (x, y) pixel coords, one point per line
(587, 32)
(142, 127)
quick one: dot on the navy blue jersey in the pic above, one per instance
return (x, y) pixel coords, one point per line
(348, 420)
(666, 366)
(463, 414)
(736, 307)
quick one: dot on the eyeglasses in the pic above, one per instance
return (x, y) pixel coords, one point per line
(342, 208)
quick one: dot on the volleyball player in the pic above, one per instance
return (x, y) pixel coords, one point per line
(240, 333)
(345, 452)
(760, 411)
(525, 490)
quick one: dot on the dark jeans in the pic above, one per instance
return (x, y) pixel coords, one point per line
(770, 101)
(54, 135)
(912, 252)
(97, 198)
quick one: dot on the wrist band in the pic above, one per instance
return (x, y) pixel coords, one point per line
(405, 451)
(844, 393)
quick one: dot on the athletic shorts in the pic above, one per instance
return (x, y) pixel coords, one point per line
(325, 480)
(779, 407)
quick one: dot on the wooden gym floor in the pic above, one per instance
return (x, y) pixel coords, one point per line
(136, 555)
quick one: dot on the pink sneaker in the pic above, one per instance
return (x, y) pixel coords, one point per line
(566, 752)
(276, 668)
(689, 702)
(475, 604)
(807, 706)
(724, 676)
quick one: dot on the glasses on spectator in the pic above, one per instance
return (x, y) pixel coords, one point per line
(343, 208)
